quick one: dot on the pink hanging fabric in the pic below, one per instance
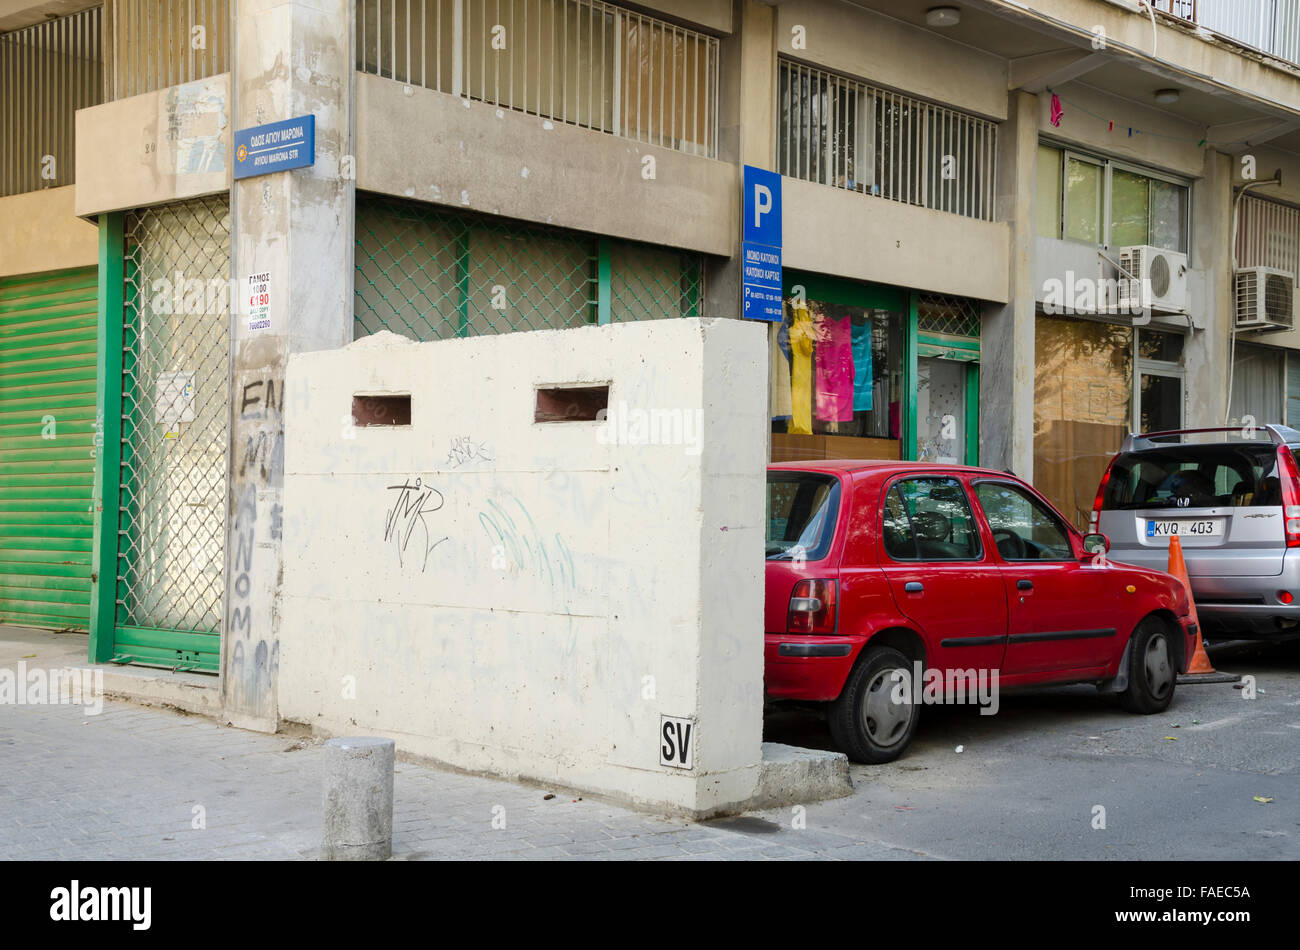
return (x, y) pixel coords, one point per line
(834, 369)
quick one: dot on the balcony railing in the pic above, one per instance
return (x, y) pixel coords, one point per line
(47, 72)
(1268, 235)
(841, 132)
(1270, 26)
(153, 44)
(582, 62)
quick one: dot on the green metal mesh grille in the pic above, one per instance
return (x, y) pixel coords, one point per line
(955, 316)
(429, 274)
(651, 283)
(175, 399)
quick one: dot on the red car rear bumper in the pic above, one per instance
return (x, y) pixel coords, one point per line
(808, 668)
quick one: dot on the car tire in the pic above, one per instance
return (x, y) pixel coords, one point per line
(865, 722)
(1151, 673)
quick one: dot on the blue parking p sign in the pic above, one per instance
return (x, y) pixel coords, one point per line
(760, 246)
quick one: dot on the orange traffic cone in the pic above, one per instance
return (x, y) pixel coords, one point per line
(1200, 666)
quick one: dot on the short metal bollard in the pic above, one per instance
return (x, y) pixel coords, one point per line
(358, 800)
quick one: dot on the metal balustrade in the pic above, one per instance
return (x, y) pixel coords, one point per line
(47, 72)
(1270, 26)
(153, 44)
(841, 132)
(581, 62)
(1268, 235)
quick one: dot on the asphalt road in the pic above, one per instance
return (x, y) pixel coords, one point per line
(1027, 782)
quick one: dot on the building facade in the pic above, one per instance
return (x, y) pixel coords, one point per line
(1011, 234)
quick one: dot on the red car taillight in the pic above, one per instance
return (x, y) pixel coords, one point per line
(812, 607)
(1286, 466)
(1094, 523)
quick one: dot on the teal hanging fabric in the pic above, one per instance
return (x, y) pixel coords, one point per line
(862, 366)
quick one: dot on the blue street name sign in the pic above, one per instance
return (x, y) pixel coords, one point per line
(275, 147)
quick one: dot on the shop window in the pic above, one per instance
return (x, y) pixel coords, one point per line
(836, 381)
(431, 274)
(1083, 397)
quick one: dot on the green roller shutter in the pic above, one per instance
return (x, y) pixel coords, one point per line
(47, 416)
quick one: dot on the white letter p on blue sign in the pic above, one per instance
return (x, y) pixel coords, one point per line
(762, 203)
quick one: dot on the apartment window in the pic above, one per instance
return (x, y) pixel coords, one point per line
(1109, 203)
(837, 131)
(1258, 388)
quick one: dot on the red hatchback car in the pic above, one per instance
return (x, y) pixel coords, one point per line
(885, 579)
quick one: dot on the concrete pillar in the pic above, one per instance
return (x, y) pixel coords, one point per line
(291, 58)
(1007, 340)
(357, 806)
(1205, 353)
(747, 129)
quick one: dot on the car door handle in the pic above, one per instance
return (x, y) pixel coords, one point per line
(914, 587)
(1024, 585)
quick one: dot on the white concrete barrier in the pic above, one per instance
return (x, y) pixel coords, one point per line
(574, 602)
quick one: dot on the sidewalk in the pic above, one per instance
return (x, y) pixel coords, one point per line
(133, 782)
(1214, 775)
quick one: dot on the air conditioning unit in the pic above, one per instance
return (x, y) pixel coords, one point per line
(1158, 281)
(1265, 299)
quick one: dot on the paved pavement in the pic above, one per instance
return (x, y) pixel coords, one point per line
(134, 782)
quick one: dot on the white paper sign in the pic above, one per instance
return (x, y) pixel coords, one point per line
(257, 292)
(174, 398)
(676, 742)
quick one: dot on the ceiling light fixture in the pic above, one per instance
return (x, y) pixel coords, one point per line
(1166, 96)
(943, 16)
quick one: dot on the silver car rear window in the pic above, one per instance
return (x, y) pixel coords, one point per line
(1195, 476)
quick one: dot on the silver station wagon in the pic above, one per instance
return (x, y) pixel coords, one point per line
(1232, 496)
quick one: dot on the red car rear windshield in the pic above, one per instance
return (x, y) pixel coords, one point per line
(1195, 476)
(801, 512)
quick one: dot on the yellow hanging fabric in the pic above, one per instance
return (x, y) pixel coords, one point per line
(778, 374)
(802, 334)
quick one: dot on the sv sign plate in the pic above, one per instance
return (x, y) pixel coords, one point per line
(676, 742)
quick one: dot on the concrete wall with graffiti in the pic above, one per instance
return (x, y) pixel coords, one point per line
(567, 601)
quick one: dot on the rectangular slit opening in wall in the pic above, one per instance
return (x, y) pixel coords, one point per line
(570, 403)
(388, 410)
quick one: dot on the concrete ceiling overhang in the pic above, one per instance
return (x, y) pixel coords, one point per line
(16, 14)
(1043, 52)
